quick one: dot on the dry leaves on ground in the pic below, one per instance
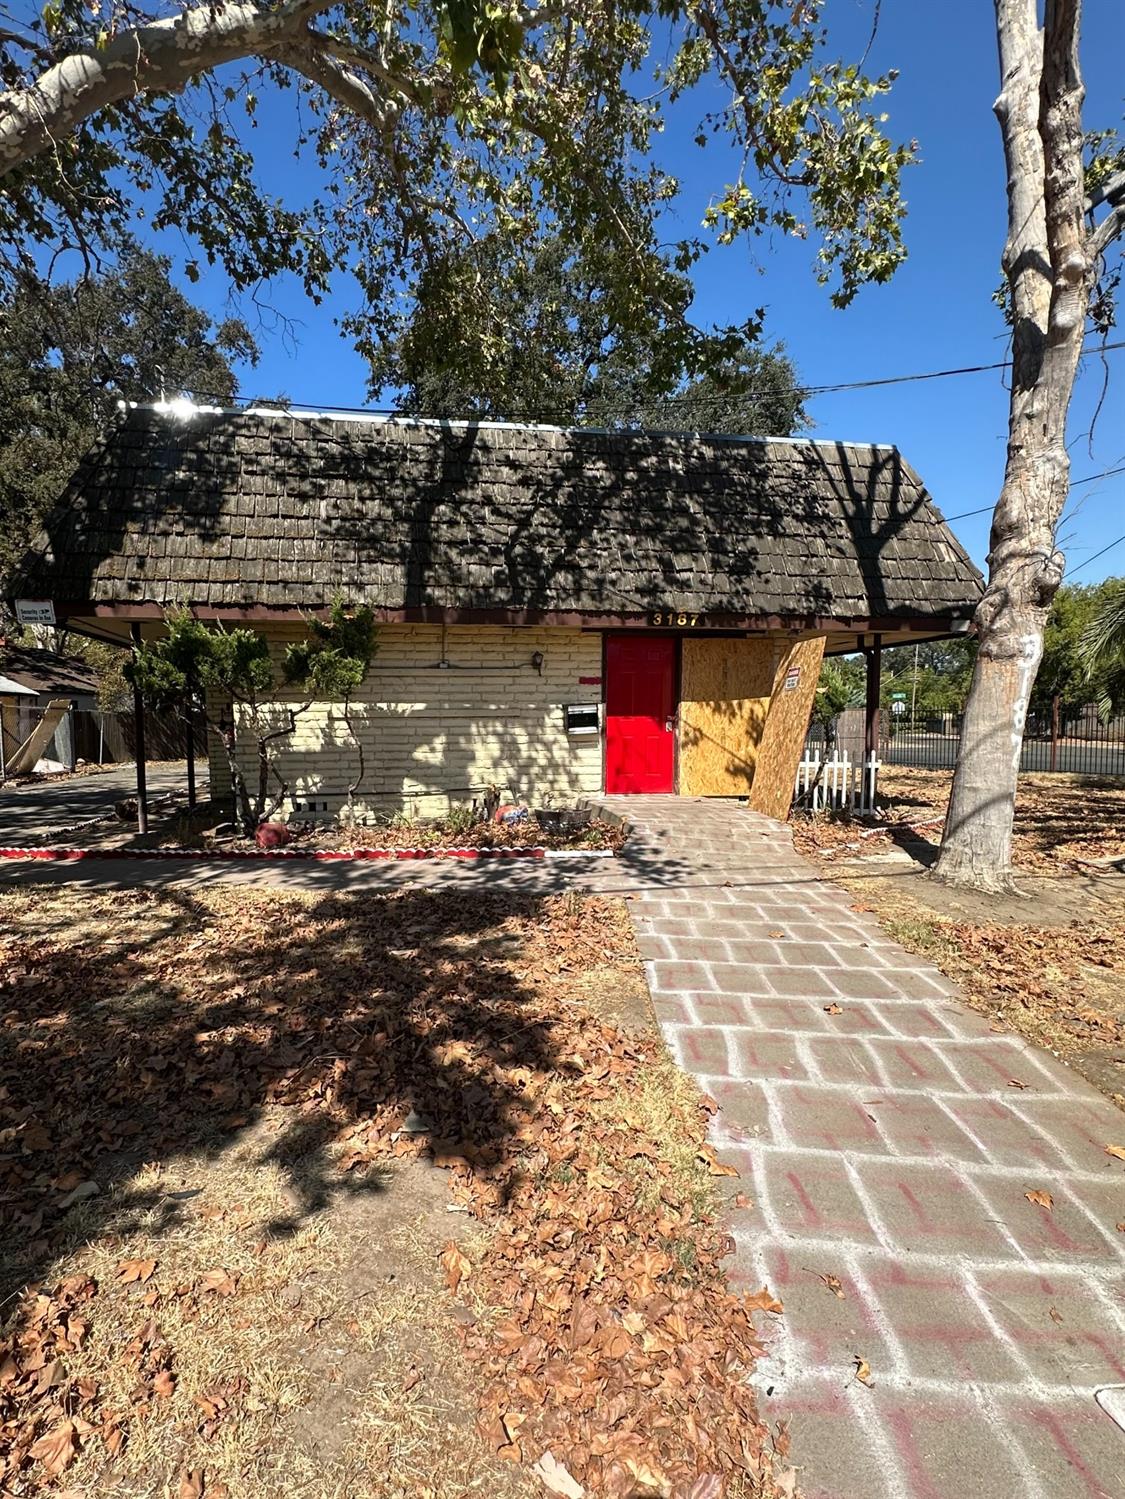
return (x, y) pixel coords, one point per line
(594, 1303)
(1063, 822)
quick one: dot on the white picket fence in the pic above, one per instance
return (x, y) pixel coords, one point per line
(839, 783)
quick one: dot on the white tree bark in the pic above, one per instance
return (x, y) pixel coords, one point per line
(1049, 263)
(164, 56)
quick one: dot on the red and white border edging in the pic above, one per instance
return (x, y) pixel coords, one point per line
(318, 854)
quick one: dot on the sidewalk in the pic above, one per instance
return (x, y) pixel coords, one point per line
(887, 1138)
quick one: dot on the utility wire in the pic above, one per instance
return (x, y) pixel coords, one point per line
(672, 403)
(1096, 555)
(1106, 473)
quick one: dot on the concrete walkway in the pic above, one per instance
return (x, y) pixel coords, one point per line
(32, 811)
(887, 1137)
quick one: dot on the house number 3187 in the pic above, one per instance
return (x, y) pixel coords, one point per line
(669, 617)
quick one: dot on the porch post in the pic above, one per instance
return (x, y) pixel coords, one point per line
(873, 656)
(190, 717)
(139, 734)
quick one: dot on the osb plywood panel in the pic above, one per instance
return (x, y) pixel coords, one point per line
(787, 722)
(725, 688)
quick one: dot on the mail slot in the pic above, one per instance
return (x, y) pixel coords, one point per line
(581, 718)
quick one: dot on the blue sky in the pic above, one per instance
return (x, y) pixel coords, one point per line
(937, 312)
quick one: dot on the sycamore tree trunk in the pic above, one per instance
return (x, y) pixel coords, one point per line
(1050, 265)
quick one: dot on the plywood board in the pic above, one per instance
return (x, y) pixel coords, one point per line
(725, 688)
(31, 750)
(787, 723)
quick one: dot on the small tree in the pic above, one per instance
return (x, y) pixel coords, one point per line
(332, 664)
(175, 673)
(840, 687)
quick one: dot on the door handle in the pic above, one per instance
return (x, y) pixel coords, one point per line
(669, 725)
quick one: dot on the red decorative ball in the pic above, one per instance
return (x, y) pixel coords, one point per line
(272, 835)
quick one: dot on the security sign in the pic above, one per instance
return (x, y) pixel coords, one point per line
(35, 611)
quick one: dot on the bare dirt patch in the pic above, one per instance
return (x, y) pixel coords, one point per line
(354, 1195)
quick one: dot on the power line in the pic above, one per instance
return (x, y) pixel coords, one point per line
(1106, 473)
(684, 400)
(1096, 555)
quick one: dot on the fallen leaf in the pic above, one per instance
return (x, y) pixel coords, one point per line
(647, 1475)
(833, 1009)
(764, 1301)
(862, 1370)
(1055, 1315)
(1014, 1082)
(511, 1422)
(455, 1264)
(1117, 1150)
(222, 1282)
(1121, 1228)
(707, 1486)
(164, 1384)
(139, 1271)
(834, 1285)
(191, 1484)
(721, 1168)
(413, 1377)
(556, 1478)
(57, 1449)
(1044, 1199)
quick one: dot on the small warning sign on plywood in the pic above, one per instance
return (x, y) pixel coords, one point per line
(792, 679)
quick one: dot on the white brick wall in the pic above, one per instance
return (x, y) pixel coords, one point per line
(436, 736)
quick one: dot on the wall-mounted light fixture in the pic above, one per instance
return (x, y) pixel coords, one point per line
(537, 662)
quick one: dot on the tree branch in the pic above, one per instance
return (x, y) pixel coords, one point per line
(341, 83)
(160, 56)
(1111, 191)
(1111, 227)
(412, 91)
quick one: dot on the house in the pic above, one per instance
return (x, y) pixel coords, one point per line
(562, 612)
(29, 680)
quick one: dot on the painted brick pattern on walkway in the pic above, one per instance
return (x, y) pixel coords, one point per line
(887, 1136)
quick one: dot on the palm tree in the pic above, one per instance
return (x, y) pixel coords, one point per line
(1102, 648)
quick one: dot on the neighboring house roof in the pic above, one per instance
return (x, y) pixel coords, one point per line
(46, 671)
(252, 509)
(8, 688)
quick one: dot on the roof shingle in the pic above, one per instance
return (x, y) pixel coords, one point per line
(255, 508)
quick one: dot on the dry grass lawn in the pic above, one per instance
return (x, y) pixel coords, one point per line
(351, 1196)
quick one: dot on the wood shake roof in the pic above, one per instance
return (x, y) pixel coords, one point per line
(267, 509)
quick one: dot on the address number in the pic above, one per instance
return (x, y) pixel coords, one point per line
(669, 617)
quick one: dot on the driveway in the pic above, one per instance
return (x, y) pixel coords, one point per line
(29, 812)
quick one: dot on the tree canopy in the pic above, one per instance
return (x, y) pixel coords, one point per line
(531, 338)
(70, 352)
(446, 127)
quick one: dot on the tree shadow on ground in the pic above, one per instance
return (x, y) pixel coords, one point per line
(176, 1033)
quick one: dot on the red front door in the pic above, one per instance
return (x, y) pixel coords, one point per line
(640, 701)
